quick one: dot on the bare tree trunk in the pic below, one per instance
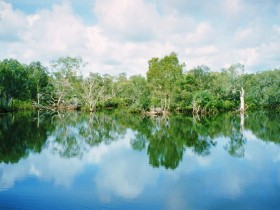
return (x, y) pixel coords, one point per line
(38, 95)
(38, 98)
(242, 104)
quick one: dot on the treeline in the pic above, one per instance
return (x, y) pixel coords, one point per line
(166, 87)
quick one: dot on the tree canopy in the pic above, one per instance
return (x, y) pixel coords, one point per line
(167, 87)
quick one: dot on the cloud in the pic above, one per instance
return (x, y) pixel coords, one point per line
(109, 174)
(127, 20)
(124, 178)
(12, 23)
(203, 51)
(55, 32)
(44, 35)
(116, 36)
(232, 7)
(43, 166)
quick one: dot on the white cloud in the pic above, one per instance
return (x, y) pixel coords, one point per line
(203, 51)
(12, 23)
(46, 35)
(44, 166)
(127, 20)
(242, 34)
(126, 34)
(125, 178)
(231, 7)
(277, 28)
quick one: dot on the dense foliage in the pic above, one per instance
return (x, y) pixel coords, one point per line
(167, 87)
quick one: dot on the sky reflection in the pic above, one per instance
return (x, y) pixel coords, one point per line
(116, 176)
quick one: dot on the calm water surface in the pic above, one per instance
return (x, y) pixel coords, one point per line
(118, 161)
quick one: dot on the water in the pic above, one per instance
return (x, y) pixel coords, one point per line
(74, 160)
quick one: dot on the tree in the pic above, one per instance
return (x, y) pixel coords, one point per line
(122, 89)
(139, 93)
(38, 80)
(199, 81)
(13, 81)
(204, 102)
(93, 91)
(65, 80)
(162, 75)
(235, 83)
(201, 77)
(263, 89)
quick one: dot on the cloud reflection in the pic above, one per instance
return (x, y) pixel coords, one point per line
(125, 173)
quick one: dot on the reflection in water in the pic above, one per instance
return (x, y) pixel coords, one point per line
(20, 135)
(235, 146)
(113, 155)
(264, 125)
(76, 132)
(165, 138)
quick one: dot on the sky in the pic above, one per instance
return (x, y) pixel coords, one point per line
(115, 36)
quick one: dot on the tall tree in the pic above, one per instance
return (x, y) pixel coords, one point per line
(198, 82)
(38, 80)
(139, 93)
(13, 81)
(234, 83)
(162, 75)
(94, 91)
(64, 79)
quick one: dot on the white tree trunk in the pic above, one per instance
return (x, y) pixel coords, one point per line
(38, 98)
(242, 104)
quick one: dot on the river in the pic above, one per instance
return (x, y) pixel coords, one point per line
(114, 160)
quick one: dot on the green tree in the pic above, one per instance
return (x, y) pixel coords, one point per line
(38, 80)
(13, 82)
(122, 90)
(193, 90)
(201, 77)
(204, 102)
(94, 91)
(65, 80)
(139, 93)
(263, 89)
(162, 75)
(234, 83)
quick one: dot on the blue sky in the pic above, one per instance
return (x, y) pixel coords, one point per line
(116, 36)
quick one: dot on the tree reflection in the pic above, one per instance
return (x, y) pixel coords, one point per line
(265, 125)
(20, 135)
(164, 148)
(165, 139)
(170, 139)
(76, 132)
(235, 146)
